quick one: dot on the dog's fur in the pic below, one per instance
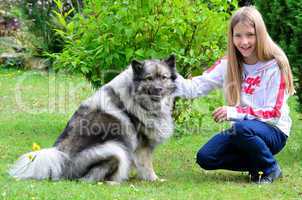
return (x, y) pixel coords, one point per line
(118, 126)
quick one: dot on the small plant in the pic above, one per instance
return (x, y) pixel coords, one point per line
(193, 116)
(260, 173)
(13, 62)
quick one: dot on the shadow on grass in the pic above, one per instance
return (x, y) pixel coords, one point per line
(216, 176)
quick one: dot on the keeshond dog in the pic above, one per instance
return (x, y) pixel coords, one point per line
(116, 128)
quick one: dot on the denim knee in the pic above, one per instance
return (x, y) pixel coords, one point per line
(203, 160)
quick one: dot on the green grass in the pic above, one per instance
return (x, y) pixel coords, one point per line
(35, 106)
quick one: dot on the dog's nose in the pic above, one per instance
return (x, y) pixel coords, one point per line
(157, 90)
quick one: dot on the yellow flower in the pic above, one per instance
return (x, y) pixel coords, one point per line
(30, 157)
(260, 173)
(36, 147)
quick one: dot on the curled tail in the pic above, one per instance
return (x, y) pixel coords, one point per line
(102, 154)
(44, 164)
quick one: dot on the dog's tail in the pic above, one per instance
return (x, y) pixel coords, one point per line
(44, 164)
(106, 151)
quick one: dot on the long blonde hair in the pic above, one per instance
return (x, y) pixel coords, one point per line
(266, 49)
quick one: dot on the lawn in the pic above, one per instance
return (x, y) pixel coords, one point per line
(35, 106)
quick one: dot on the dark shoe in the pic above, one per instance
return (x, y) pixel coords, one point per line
(253, 177)
(267, 179)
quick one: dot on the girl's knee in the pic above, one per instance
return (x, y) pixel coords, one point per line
(203, 160)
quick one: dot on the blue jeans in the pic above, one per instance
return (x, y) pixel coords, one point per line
(248, 146)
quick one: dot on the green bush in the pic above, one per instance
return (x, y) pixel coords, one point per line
(39, 17)
(284, 23)
(195, 116)
(103, 39)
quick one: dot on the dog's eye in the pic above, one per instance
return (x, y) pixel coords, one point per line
(165, 77)
(148, 78)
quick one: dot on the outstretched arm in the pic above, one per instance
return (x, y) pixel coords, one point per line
(201, 85)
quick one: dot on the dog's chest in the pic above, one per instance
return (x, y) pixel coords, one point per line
(153, 125)
(156, 129)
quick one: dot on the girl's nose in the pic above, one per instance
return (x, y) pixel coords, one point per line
(244, 40)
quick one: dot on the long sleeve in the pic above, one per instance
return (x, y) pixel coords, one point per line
(201, 85)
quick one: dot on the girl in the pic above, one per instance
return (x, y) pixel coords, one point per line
(257, 81)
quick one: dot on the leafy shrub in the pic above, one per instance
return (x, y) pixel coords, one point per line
(103, 39)
(195, 116)
(284, 23)
(39, 19)
(16, 62)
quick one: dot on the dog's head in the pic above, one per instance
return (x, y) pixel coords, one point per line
(154, 79)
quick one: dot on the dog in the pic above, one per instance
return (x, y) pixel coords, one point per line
(112, 131)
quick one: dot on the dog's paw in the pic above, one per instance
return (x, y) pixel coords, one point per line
(153, 178)
(112, 183)
(161, 180)
(148, 177)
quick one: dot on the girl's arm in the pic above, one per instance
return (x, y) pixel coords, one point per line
(201, 85)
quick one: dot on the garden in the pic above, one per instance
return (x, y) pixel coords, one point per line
(55, 53)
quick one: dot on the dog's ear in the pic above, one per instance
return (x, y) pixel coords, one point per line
(171, 61)
(137, 66)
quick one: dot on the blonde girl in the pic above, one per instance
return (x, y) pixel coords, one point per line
(257, 81)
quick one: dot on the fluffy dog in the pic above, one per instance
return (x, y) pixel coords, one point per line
(118, 126)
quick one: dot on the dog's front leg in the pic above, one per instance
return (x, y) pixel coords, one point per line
(143, 163)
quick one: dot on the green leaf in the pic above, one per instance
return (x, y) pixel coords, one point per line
(139, 53)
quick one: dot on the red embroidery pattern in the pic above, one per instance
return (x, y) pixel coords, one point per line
(252, 82)
(266, 114)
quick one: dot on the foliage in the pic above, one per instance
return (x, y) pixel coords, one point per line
(284, 22)
(16, 62)
(103, 39)
(245, 2)
(29, 25)
(8, 4)
(39, 15)
(18, 43)
(193, 116)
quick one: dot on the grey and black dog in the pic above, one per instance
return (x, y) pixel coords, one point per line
(118, 127)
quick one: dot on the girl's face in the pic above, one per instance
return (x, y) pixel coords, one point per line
(244, 39)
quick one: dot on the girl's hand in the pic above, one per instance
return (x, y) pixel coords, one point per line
(220, 114)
